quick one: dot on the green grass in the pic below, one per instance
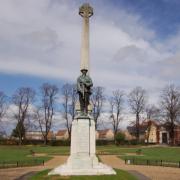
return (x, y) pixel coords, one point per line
(112, 149)
(157, 153)
(123, 175)
(22, 152)
(14, 153)
(151, 153)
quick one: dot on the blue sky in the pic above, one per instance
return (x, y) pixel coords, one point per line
(156, 22)
(161, 15)
(132, 43)
(9, 82)
(160, 18)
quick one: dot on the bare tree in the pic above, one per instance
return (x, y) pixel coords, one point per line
(3, 108)
(97, 100)
(70, 97)
(152, 112)
(22, 99)
(73, 101)
(137, 101)
(116, 106)
(45, 112)
(3, 105)
(170, 104)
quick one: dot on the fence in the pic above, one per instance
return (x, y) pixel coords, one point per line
(11, 164)
(135, 161)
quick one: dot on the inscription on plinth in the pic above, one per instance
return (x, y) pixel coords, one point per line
(84, 136)
(83, 160)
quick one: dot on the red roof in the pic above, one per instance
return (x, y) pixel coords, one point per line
(102, 133)
(61, 132)
(143, 126)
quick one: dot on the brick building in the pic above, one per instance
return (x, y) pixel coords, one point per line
(106, 134)
(152, 132)
(62, 134)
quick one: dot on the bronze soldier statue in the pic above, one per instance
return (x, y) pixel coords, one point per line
(84, 84)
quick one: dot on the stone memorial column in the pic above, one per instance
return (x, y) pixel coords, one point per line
(82, 159)
(85, 12)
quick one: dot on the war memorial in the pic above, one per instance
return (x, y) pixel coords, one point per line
(82, 159)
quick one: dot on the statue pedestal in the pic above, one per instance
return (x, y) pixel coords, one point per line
(83, 160)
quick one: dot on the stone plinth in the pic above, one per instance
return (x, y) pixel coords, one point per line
(83, 160)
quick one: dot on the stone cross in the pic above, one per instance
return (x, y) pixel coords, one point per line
(86, 11)
(82, 159)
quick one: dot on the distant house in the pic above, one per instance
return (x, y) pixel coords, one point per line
(37, 135)
(128, 136)
(151, 132)
(177, 135)
(106, 134)
(164, 134)
(62, 135)
(147, 131)
(34, 135)
(51, 135)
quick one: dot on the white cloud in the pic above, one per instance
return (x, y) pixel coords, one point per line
(47, 34)
(43, 38)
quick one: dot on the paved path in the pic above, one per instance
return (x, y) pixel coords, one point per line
(152, 172)
(15, 173)
(19, 173)
(143, 172)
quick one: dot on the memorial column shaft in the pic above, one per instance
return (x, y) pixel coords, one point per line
(85, 44)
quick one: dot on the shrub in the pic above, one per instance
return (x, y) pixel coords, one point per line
(133, 142)
(60, 143)
(8, 142)
(102, 142)
(119, 138)
(139, 152)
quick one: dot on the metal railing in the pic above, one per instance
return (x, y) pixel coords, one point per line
(147, 162)
(13, 164)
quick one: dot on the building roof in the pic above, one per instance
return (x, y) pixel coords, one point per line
(61, 132)
(33, 133)
(142, 127)
(50, 133)
(167, 125)
(103, 133)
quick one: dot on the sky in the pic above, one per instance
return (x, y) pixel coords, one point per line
(132, 43)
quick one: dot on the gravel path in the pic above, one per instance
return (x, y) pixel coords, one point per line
(15, 173)
(19, 173)
(26, 176)
(152, 172)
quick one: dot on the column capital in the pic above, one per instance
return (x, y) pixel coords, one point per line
(86, 10)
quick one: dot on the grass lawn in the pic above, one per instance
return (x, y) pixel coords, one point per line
(112, 149)
(14, 153)
(17, 153)
(157, 153)
(123, 175)
(150, 153)
(22, 152)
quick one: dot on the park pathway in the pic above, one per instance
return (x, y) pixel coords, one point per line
(20, 173)
(152, 172)
(143, 172)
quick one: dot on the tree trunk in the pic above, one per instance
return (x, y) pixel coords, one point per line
(172, 135)
(20, 137)
(45, 140)
(20, 141)
(137, 127)
(69, 133)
